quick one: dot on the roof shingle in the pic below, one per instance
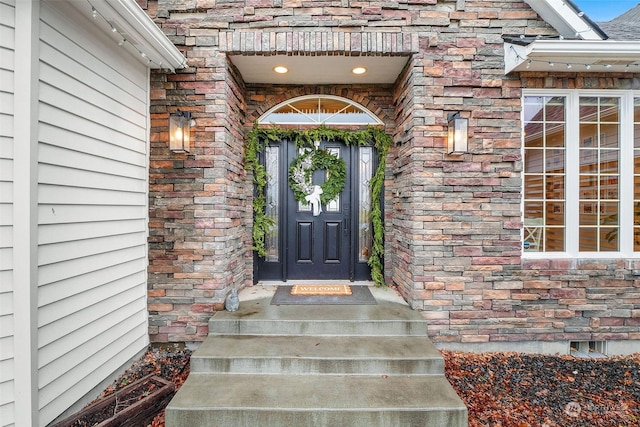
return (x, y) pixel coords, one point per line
(625, 26)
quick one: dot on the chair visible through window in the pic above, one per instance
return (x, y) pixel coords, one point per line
(533, 234)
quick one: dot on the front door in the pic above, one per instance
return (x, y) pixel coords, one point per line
(333, 245)
(318, 246)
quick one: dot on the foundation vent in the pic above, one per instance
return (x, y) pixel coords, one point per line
(588, 349)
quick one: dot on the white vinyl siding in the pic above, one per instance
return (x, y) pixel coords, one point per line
(7, 56)
(74, 130)
(92, 210)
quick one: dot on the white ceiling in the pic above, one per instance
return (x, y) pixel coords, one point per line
(319, 69)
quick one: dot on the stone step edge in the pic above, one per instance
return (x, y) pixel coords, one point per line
(300, 346)
(355, 358)
(325, 409)
(307, 374)
(372, 393)
(315, 334)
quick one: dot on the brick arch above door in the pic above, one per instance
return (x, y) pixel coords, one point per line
(376, 98)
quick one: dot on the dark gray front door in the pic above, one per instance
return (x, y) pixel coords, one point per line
(319, 247)
(333, 245)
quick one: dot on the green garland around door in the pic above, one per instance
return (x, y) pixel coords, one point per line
(255, 144)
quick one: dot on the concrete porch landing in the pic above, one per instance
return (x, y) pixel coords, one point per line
(323, 365)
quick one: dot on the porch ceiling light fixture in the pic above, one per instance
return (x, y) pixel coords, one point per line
(281, 69)
(458, 138)
(180, 131)
(359, 70)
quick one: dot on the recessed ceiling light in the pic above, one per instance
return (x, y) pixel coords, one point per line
(359, 70)
(281, 69)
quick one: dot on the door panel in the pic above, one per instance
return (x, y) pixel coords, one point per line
(332, 243)
(304, 244)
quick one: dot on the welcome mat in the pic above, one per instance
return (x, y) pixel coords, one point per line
(341, 290)
(360, 295)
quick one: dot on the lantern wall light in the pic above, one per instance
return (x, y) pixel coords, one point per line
(180, 131)
(458, 138)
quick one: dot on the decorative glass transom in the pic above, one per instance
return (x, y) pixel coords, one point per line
(319, 110)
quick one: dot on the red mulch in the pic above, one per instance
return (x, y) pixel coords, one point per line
(513, 389)
(499, 389)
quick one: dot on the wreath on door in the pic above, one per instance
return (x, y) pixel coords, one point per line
(301, 172)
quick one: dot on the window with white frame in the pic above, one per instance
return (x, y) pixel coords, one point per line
(581, 172)
(319, 110)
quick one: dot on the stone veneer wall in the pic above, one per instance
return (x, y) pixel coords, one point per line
(472, 284)
(453, 222)
(199, 203)
(481, 292)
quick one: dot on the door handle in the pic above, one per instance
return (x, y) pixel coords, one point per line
(346, 225)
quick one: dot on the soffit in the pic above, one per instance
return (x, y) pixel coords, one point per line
(131, 28)
(604, 56)
(567, 19)
(319, 69)
(319, 57)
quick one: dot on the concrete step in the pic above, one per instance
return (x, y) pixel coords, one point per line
(324, 365)
(259, 317)
(315, 400)
(295, 355)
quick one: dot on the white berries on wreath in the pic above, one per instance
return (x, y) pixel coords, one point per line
(301, 172)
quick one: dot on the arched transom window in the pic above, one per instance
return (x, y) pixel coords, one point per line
(319, 110)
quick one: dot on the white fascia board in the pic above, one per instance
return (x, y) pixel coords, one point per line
(152, 40)
(132, 24)
(573, 55)
(515, 57)
(565, 19)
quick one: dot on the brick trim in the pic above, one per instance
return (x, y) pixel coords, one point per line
(312, 43)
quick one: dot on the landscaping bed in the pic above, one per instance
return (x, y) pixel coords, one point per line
(141, 393)
(513, 389)
(132, 406)
(499, 389)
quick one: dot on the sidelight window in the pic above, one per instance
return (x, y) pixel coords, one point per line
(272, 207)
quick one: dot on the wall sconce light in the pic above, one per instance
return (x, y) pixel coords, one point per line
(180, 131)
(458, 139)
